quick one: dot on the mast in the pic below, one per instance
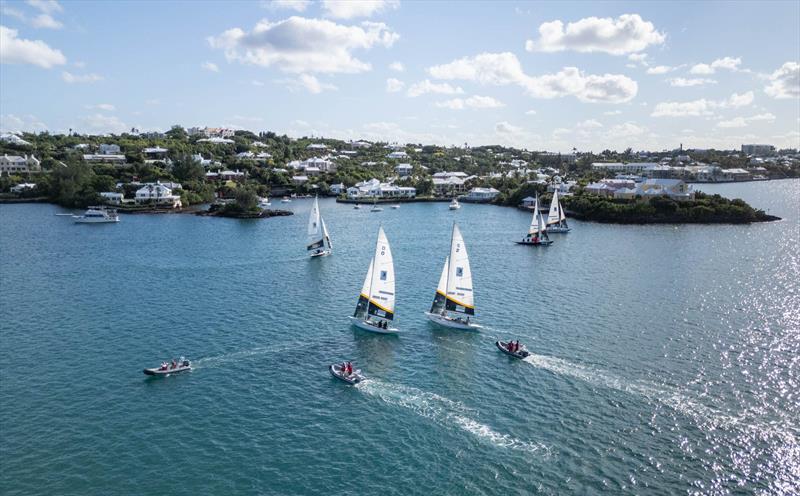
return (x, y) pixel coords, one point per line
(449, 261)
(372, 272)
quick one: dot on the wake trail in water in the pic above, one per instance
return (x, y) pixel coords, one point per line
(671, 397)
(446, 412)
(236, 356)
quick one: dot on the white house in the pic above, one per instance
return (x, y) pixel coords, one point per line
(479, 195)
(217, 141)
(449, 183)
(158, 194)
(108, 149)
(360, 144)
(13, 139)
(19, 188)
(298, 180)
(403, 170)
(375, 189)
(673, 188)
(14, 164)
(337, 189)
(112, 197)
(156, 154)
(632, 167)
(397, 155)
(211, 132)
(316, 146)
(316, 164)
(103, 158)
(206, 162)
(563, 188)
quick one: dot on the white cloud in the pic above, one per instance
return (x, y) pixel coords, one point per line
(301, 45)
(11, 12)
(737, 100)
(10, 123)
(348, 9)
(14, 50)
(684, 82)
(625, 130)
(210, 66)
(308, 83)
(504, 68)
(785, 82)
(729, 63)
(588, 124)
(475, 102)
(394, 85)
(71, 78)
(101, 106)
(625, 34)
(256, 82)
(46, 21)
(100, 123)
(426, 86)
(397, 67)
(660, 69)
(506, 128)
(744, 121)
(45, 6)
(641, 58)
(296, 5)
(701, 107)
(530, 112)
(612, 112)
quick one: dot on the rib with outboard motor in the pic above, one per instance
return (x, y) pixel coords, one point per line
(182, 365)
(375, 307)
(454, 302)
(319, 240)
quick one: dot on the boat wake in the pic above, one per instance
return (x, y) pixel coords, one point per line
(446, 412)
(237, 356)
(705, 416)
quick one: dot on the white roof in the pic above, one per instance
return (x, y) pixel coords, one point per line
(156, 149)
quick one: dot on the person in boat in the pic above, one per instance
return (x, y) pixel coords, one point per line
(535, 238)
(349, 369)
(174, 363)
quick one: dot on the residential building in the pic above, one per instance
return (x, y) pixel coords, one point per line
(211, 132)
(360, 144)
(108, 149)
(157, 194)
(563, 188)
(735, 175)
(206, 162)
(105, 158)
(298, 180)
(628, 168)
(112, 197)
(673, 188)
(480, 195)
(403, 170)
(337, 189)
(216, 141)
(528, 202)
(397, 155)
(758, 149)
(15, 164)
(156, 154)
(13, 139)
(22, 187)
(316, 146)
(375, 189)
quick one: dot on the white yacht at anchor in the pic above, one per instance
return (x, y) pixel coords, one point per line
(97, 215)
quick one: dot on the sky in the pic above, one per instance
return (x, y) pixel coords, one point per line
(537, 75)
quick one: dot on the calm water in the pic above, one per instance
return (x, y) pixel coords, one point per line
(666, 359)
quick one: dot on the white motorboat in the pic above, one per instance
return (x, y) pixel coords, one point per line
(537, 232)
(375, 207)
(182, 365)
(395, 207)
(264, 202)
(319, 239)
(454, 205)
(556, 219)
(375, 308)
(97, 215)
(454, 302)
(285, 199)
(357, 207)
(338, 371)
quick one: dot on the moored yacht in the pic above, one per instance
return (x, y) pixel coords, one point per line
(97, 215)
(454, 205)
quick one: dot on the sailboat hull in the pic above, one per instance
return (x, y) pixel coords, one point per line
(557, 229)
(371, 328)
(538, 243)
(452, 324)
(323, 253)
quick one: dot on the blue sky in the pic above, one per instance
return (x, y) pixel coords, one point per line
(553, 76)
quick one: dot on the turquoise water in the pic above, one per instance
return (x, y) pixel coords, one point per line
(665, 358)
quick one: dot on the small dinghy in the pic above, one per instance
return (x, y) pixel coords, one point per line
(337, 370)
(522, 353)
(166, 369)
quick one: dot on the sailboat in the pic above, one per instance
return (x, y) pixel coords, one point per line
(375, 307)
(537, 232)
(375, 207)
(556, 220)
(320, 241)
(454, 303)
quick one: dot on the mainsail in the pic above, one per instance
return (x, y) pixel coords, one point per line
(377, 296)
(554, 215)
(459, 277)
(317, 233)
(441, 289)
(536, 220)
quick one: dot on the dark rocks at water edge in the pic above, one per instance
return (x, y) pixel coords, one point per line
(263, 214)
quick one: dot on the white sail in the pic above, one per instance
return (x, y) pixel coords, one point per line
(313, 220)
(553, 216)
(325, 236)
(535, 221)
(542, 227)
(381, 291)
(439, 298)
(365, 288)
(459, 277)
(561, 215)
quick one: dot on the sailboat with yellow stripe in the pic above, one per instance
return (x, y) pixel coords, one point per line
(454, 303)
(375, 307)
